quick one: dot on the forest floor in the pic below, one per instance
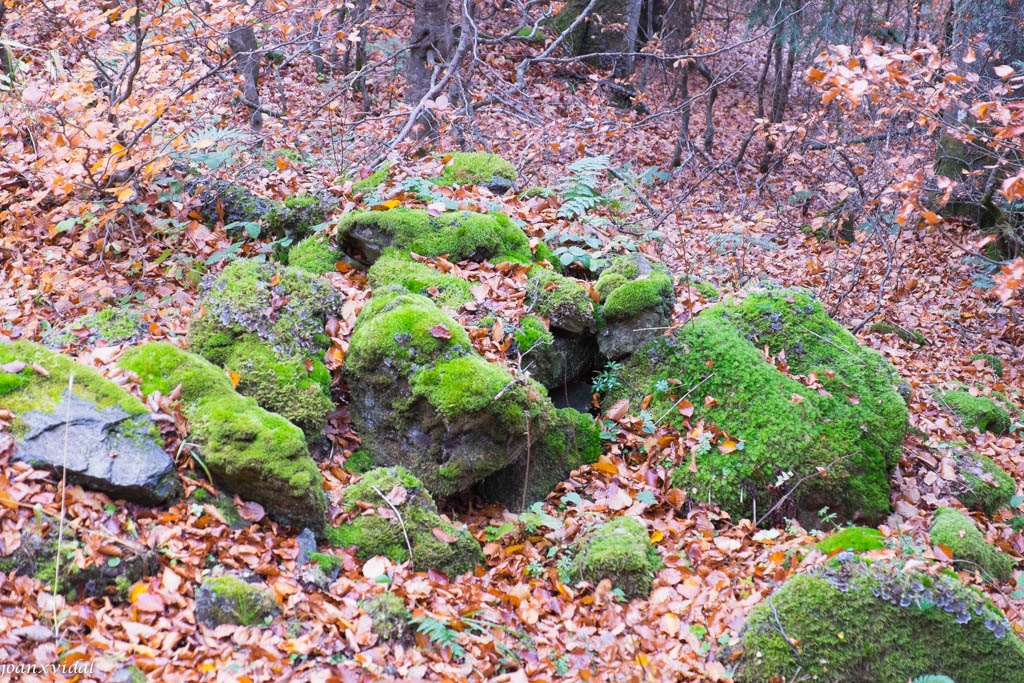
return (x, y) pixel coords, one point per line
(515, 619)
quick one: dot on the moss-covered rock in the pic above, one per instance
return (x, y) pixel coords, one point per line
(602, 31)
(373, 180)
(854, 620)
(850, 423)
(391, 620)
(904, 333)
(285, 307)
(982, 484)
(248, 450)
(957, 531)
(112, 325)
(459, 235)
(296, 217)
(857, 539)
(314, 255)
(637, 299)
(479, 168)
(993, 362)
(377, 530)
(567, 306)
(116, 446)
(981, 412)
(223, 202)
(395, 267)
(229, 599)
(620, 550)
(101, 575)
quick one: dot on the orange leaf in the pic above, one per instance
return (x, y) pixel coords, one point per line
(657, 535)
(606, 466)
(443, 536)
(618, 409)
(274, 281)
(439, 331)
(685, 408)
(234, 378)
(728, 447)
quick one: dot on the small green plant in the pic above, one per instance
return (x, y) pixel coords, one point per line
(495, 533)
(440, 634)
(535, 570)
(534, 517)
(581, 189)
(607, 380)
(827, 517)
(566, 567)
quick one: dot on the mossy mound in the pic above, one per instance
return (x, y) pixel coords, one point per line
(424, 399)
(904, 333)
(981, 412)
(224, 202)
(296, 217)
(112, 325)
(957, 531)
(567, 306)
(103, 576)
(395, 267)
(248, 450)
(854, 620)
(286, 307)
(314, 255)
(479, 168)
(391, 620)
(373, 180)
(229, 599)
(620, 550)
(993, 362)
(458, 235)
(851, 423)
(983, 485)
(436, 543)
(636, 304)
(299, 390)
(857, 539)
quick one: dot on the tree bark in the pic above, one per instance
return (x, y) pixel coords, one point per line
(242, 42)
(624, 65)
(6, 66)
(430, 48)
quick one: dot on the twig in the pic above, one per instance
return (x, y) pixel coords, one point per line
(829, 341)
(692, 389)
(401, 521)
(780, 501)
(526, 476)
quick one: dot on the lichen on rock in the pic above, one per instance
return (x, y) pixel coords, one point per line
(884, 623)
(377, 530)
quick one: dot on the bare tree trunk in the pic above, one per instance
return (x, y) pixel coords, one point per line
(430, 48)
(242, 42)
(6, 66)
(625, 63)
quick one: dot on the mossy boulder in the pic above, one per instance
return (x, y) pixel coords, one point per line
(223, 202)
(849, 423)
(377, 530)
(230, 599)
(112, 325)
(458, 235)
(982, 484)
(479, 168)
(115, 445)
(564, 302)
(297, 217)
(854, 620)
(904, 333)
(81, 574)
(391, 620)
(266, 324)
(314, 255)
(395, 267)
(636, 302)
(620, 550)
(981, 412)
(249, 451)
(424, 399)
(956, 531)
(857, 539)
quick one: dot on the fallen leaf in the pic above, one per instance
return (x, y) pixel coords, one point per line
(439, 331)
(376, 566)
(618, 409)
(14, 367)
(443, 536)
(251, 511)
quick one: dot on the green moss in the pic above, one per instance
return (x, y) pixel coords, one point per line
(162, 366)
(407, 329)
(296, 216)
(704, 288)
(993, 362)
(396, 267)
(981, 412)
(327, 562)
(957, 531)
(853, 428)
(856, 538)
(531, 34)
(620, 550)
(861, 621)
(542, 253)
(563, 301)
(238, 602)
(532, 334)
(384, 534)
(30, 391)
(459, 235)
(468, 385)
(373, 180)
(314, 255)
(223, 503)
(476, 168)
(285, 306)
(359, 462)
(904, 333)
(626, 292)
(390, 617)
(282, 385)
(987, 494)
